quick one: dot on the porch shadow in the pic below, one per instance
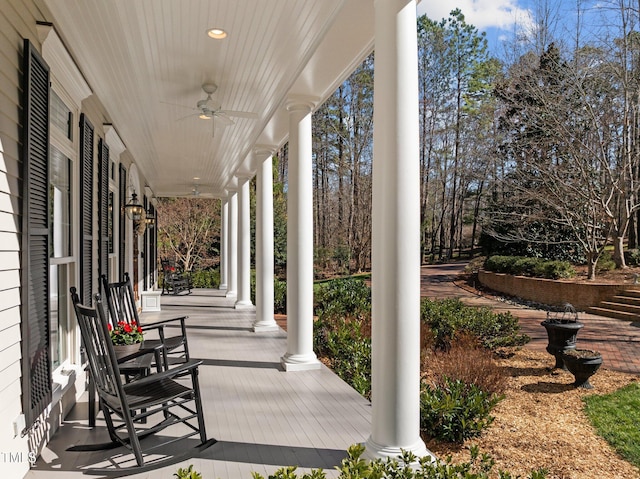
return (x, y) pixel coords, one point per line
(234, 363)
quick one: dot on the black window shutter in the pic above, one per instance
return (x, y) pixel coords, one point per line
(36, 363)
(103, 209)
(86, 209)
(122, 195)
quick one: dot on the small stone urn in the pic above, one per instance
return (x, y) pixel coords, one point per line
(582, 363)
(562, 328)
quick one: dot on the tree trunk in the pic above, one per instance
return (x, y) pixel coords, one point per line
(618, 252)
(592, 261)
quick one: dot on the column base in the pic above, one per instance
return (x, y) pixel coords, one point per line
(222, 286)
(300, 362)
(265, 326)
(231, 294)
(377, 451)
(244, 305)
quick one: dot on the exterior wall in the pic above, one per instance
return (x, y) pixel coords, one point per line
(17, 21)
(547, 291)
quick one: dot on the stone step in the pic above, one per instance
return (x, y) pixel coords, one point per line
(625, 298)
(620, 306)
(630, 293)
(614, 313)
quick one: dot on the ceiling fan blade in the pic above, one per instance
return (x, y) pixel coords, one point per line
(222, 118)
(240, 114)
(188, 116)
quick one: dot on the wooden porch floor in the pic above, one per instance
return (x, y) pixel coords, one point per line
(261, 416)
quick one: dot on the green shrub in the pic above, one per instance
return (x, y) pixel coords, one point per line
(343, 298)
(526, 266)
(344, 343)
(407, 466)
(188, 473)
(632, 257)
(448, 317)
(605, 262)
(455, 411)
(279, 296)
(205, 278)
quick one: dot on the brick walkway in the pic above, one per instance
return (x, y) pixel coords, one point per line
(617, 340)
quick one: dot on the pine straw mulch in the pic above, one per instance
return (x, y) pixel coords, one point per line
(541, 423)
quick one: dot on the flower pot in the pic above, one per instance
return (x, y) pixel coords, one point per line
(562, 337)
(583, 364)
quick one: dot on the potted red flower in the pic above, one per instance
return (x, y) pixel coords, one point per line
(125, 333)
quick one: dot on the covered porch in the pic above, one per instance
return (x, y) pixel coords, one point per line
(109, 106)
(262, 417)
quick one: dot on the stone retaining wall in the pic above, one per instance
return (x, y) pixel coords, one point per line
(552, 292)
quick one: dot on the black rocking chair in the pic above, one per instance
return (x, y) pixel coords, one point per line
(122, 307)
(145, 405)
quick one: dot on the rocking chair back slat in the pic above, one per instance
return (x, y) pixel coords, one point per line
(102, 357)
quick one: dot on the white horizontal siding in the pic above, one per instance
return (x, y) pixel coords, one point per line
(17, 21)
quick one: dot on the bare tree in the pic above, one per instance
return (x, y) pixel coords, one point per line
(188, 231)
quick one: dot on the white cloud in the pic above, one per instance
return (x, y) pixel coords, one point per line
(482, 14)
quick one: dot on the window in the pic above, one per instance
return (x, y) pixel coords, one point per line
(60, 232)
(58, 297)
(61, 116)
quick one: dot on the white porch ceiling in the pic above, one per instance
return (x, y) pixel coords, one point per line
(146, 60)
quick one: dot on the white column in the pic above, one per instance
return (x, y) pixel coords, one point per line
(244, 245)
(300, 355)
(224, 226)
(232, 246)
(395, 236)
(264, 243)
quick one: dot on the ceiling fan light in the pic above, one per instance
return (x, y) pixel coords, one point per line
(217, 33)
(205, 115)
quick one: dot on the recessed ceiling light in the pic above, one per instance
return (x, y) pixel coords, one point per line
(217, 33)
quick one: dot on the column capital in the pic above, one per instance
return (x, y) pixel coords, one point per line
(262, 152)
(304, 103)
(243, 177)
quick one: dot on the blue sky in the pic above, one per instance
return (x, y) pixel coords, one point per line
(494, 17)
(497, 17)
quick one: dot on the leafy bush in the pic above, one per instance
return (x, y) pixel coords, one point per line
(188, 473)
(279, 296)
(343, 298)
(348, 350)
(448, 317)
(407, 466)
(205, 278)
(455, 411)
(525, 266)
(605, 262)
(632, 257)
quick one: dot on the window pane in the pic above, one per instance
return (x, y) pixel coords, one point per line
(60, 213)
(61, 116)
(59, 313)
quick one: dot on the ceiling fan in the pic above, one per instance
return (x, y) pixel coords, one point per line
(208, 109)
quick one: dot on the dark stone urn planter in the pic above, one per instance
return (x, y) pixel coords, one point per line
(562, 329)
(582, 363)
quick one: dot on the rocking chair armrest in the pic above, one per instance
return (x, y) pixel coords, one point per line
(163, 322)
(190, 365)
